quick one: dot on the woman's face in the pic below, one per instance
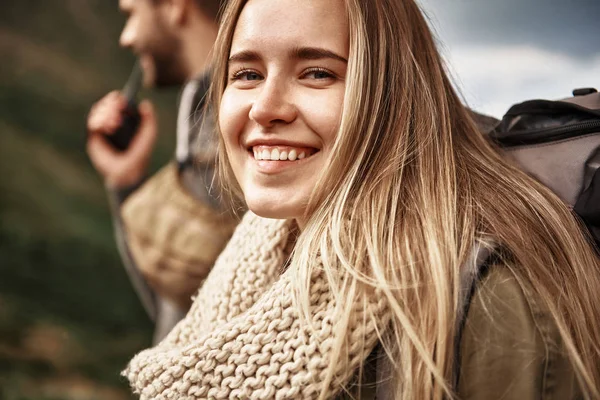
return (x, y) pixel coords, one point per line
(281, 108)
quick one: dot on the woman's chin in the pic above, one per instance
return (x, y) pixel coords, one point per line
(267, 209)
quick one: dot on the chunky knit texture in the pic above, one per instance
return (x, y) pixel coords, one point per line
(243, 338)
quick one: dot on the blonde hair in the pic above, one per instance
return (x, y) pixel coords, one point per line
(412, 186)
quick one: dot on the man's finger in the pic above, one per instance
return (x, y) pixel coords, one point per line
(106, 115)
(101, 153)
(143, 143)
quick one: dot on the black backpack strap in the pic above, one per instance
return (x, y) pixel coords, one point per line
(587, 205)
(484, 258)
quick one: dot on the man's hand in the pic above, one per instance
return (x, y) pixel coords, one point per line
(120, 169)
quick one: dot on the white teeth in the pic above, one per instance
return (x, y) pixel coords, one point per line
(275, 155)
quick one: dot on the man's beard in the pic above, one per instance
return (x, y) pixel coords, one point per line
(168, 68)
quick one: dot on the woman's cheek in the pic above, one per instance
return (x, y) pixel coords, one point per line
(323, 113)
(233, 115)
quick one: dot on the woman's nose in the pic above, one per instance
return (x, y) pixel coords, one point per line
(273, 105)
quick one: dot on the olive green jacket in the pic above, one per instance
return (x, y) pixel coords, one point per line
(510, 347)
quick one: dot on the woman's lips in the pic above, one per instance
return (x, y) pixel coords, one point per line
(274, 159)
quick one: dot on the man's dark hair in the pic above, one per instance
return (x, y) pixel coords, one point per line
(209, 7)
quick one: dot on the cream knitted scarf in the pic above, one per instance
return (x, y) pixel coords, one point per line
(243, 338)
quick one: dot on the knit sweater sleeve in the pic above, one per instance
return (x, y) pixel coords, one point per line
(264, 352)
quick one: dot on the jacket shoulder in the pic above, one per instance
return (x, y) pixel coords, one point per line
(510, 347)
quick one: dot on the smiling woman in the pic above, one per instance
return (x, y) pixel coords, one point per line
(376, 206)
(281, 108)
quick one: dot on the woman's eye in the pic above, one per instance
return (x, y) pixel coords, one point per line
(251, 76)
(246, 75)
(318, 74)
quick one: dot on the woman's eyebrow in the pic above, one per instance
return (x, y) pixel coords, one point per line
(302, 53)
(316, 53)
(244, 56)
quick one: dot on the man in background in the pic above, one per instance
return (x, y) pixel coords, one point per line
(169, 227)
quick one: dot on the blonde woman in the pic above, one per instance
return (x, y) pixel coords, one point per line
(372, 195)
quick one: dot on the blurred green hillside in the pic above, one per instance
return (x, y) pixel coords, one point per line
(69, 320)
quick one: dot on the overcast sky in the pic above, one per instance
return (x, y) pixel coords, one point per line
(506, 51)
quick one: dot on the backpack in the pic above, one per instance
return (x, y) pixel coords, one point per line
(558, 142)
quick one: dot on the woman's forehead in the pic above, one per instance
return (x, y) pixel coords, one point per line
(314, 23)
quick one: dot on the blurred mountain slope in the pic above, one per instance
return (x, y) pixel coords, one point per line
(69, 320)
